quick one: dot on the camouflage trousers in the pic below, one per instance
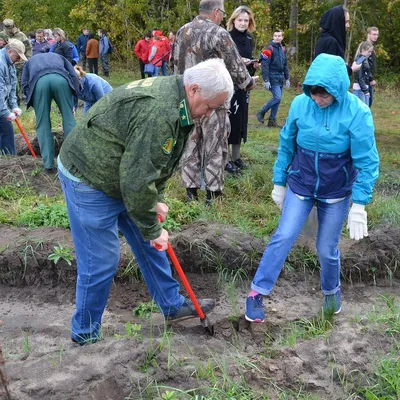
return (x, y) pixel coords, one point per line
(104, 64)
(207, 150)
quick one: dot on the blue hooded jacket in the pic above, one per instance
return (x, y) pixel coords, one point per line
(328, 153)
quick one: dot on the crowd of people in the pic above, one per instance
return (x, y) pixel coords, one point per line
(114, 164)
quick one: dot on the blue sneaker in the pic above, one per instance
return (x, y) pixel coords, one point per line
(332, 303)
(254, 311)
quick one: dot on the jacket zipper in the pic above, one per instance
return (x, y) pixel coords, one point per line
(316, 157)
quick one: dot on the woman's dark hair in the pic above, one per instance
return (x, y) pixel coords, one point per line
(148, 34)
(314, 90)
(91, 36)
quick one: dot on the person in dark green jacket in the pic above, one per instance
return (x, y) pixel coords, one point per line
(113, 168)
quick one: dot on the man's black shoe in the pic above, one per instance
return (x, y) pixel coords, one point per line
(231, 168)
(272, 124)
(240, 164)
(260, 117)
(191, 195)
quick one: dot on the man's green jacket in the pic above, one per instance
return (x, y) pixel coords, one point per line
(129, 144)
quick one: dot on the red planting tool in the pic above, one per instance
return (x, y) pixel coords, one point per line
(203, 318)
(25, 137)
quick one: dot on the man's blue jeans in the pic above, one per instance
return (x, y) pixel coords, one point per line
(274, 103)
(7, 138)
(95, 219)
(331, 218)
(164, 68)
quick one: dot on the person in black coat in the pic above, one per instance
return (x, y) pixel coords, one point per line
(239, 25)
(62, 46)
(333, 26)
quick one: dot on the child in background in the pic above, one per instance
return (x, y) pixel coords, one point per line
(364, 75)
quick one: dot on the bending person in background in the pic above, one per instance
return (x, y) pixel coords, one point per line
(48, 77)
(91, 88)
(11, 54)
(113, 169)
(240, 24)
(327, 156)
(333, 26)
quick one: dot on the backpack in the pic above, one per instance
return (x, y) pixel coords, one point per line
(110, 47)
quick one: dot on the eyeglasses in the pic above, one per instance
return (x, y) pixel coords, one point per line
(223, 12)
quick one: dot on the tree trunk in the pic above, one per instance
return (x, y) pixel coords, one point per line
(293, 40)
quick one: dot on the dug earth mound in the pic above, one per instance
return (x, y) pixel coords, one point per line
(37, 296)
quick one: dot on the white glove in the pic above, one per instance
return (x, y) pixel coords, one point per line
(267, 85)
(278, 195)
(287, 84)
(11, 117)
(17, 111)
(357, 222)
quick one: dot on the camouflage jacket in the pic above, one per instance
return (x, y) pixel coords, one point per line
(200, 40)
(15, 33)
(129, 143)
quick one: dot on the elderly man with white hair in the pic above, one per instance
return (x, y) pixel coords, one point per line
(113, 168)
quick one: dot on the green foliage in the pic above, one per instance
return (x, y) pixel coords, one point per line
(61, 253)
(131, 331)
(181, 213)
(45, 215)
(144, 310)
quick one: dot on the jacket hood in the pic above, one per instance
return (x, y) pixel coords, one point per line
(333, 23)
(329, 72)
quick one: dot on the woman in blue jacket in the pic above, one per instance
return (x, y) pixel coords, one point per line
(328, 158)
(91, 88)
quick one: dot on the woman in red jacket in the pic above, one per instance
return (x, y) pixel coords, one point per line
(141, 51)
(158, 51)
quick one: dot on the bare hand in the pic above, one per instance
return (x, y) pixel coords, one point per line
(355, 67)
(372, 83)
(162, 211)
(161, 243)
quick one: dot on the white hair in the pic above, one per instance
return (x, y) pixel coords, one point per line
(212, 77)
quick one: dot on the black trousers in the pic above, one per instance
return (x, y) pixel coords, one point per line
(93, 64)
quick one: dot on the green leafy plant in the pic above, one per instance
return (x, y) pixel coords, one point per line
(45, 215)
(144, 310)
(61, 253)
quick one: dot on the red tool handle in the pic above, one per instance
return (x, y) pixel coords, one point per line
(182, 276)
(25, 137)
(185, 282)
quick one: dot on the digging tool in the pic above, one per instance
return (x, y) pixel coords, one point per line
(25, 137)
(203, 318)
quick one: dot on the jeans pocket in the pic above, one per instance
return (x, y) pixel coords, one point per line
(79, 187)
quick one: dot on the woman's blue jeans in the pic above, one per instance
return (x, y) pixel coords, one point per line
(273, 104)
(360, 94)
(95, 219)
(7, 138)
(331, 218)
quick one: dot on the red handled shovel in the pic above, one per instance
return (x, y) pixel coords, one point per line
(25, 137)
(203, 318)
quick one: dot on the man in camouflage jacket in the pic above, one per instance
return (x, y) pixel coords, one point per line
(197, 41)
(113, 167)
(14, 33)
